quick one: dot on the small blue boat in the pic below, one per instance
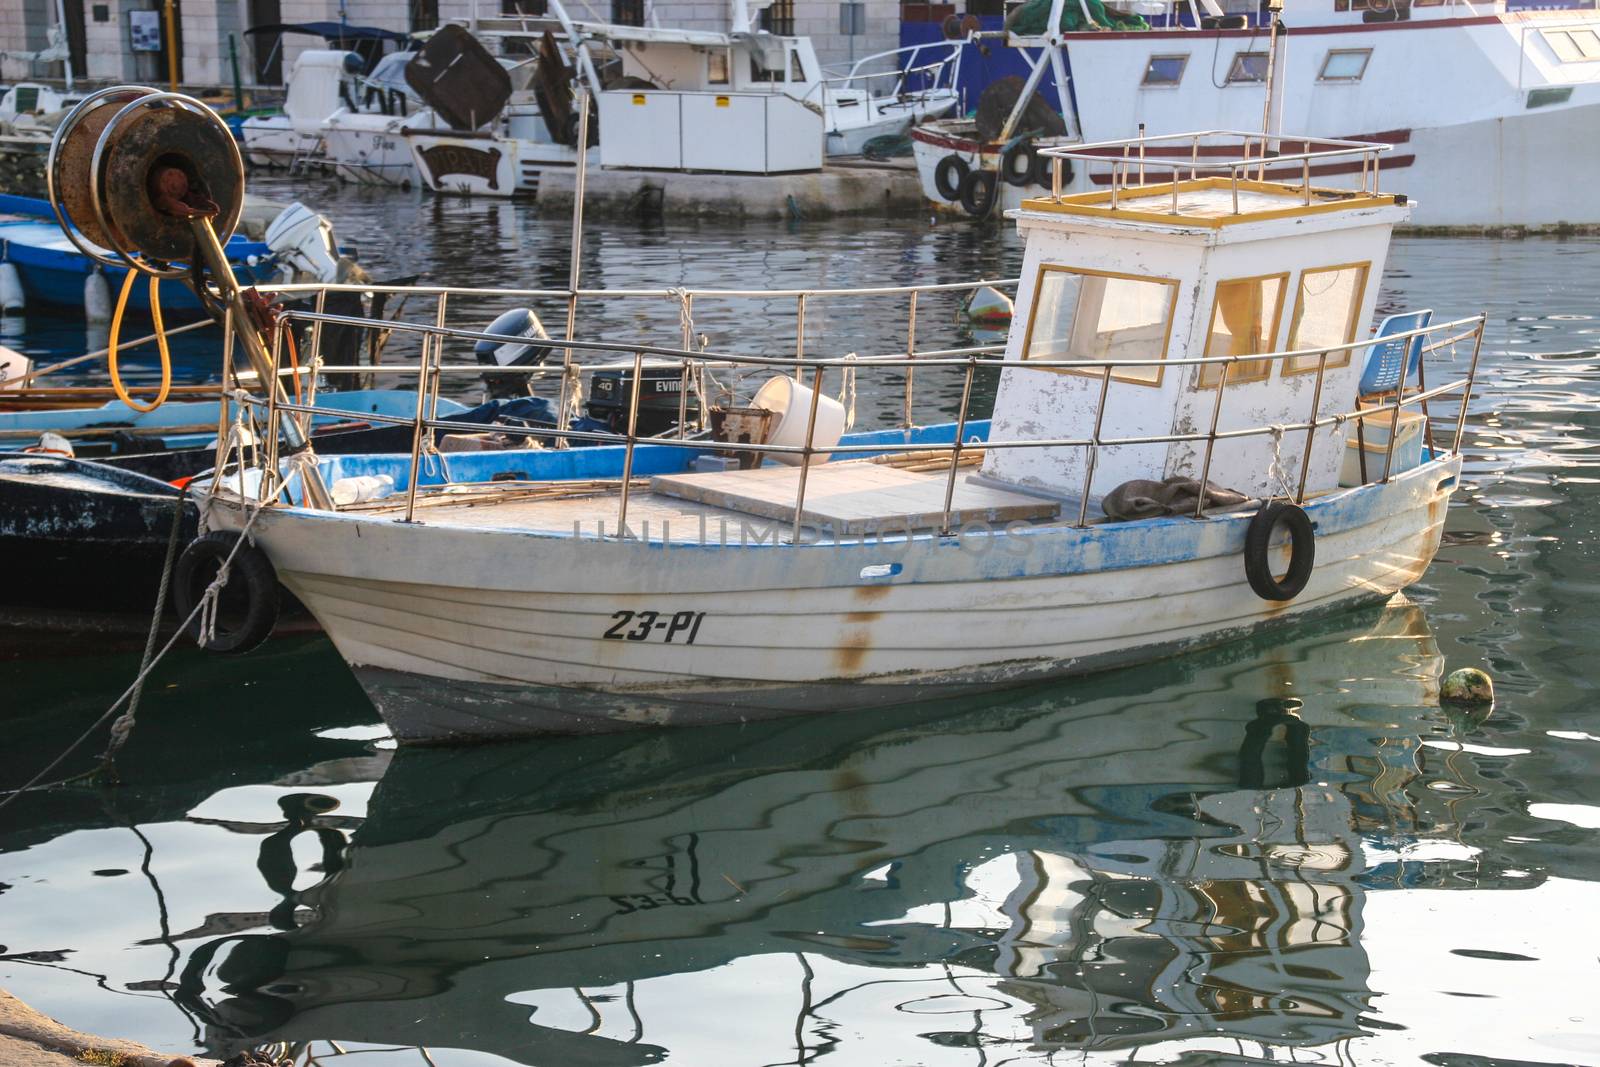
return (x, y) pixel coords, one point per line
(53, 272)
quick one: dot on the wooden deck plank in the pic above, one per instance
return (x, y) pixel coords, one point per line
(853, 499)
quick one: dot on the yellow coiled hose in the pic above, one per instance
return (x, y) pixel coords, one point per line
(161, 345)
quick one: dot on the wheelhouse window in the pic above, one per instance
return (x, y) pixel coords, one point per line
(1244, 322)
(778, 18)
(1345, 65)
(1164, 72)
(1094, 315)
(1249, 68)
(1574, 46)
(717, 67)
(1325, 314)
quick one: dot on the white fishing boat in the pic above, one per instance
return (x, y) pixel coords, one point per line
(738, 102)
(365, 143)
(321, 83)
(1489, 108)
(1190, 442)
(886, 94)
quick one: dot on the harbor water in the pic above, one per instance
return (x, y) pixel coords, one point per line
(1281, 849)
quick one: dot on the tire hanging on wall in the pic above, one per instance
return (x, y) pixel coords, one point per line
(949, 175)
(250, 601)
(979, 191)
(1258, 547)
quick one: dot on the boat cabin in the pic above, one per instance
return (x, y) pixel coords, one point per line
(1177, 282)
(743, 102)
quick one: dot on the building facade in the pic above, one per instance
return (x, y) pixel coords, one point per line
(112, 41)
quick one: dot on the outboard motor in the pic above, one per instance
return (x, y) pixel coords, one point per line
(520, 322)
(303, 242)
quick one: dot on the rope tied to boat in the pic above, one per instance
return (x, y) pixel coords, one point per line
(1278, 472)
(212, 592)
(123, 726)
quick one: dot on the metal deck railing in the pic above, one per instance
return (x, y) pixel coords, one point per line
(1234, 153)
(431, 371)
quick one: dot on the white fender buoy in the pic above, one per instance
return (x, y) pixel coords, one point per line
(989, 305)
(12, 300)
(97, 297)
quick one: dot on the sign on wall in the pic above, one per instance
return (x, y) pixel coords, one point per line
(144, 31)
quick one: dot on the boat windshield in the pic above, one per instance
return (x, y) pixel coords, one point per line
(1096, 315)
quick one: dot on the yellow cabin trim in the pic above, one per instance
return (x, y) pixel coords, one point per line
(1098, 204)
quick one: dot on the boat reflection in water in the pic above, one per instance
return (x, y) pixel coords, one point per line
(1154, 856)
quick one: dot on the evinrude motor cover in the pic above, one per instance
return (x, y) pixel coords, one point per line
(520, 322)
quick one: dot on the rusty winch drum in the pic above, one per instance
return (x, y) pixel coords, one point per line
(125, 151)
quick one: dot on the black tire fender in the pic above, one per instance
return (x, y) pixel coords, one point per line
(250, 577)
(1258, 545)
(1041, 172)
(979, 191)
(949, 176)
(1019, 162)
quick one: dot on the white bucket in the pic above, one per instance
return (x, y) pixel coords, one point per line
(790, 404)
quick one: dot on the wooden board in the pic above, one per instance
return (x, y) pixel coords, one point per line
(854, 499)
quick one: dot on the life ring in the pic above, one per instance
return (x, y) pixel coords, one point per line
(979, 190)
(949, 175)
(249, 604)
(1258, 544)
(1018, 163)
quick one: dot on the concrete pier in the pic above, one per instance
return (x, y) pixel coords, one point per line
(850, 188)
(31, 1039)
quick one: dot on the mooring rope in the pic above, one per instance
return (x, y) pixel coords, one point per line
(123, 726)
(213, 591)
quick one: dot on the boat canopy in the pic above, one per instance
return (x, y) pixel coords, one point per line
(332, 31)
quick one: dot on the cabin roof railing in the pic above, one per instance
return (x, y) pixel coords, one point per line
(1213, 177)
(1204, 146)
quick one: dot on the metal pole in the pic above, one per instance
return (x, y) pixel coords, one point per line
(1275, 6)
(238, 84)
(1311, 430)
(417, 431)
(686, 322)
(955, 450)
(1094, 448)
(438, 358)
(1211, 440)
(225, 406)
(1472, 375)
(172, 46)
(799, 336)
(911, 353)
(1394, 417)
(805, 456)
(316, 493)
(627, 451)
(575, 268)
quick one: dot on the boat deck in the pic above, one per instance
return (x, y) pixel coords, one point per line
(848, 499)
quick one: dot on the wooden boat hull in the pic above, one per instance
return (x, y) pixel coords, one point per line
(459, 632)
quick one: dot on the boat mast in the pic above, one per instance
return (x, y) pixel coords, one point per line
(1275, 9)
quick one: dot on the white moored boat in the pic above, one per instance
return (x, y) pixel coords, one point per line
(493, 595)
(1491, 110)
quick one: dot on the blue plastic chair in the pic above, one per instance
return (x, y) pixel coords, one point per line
(1382, 374)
